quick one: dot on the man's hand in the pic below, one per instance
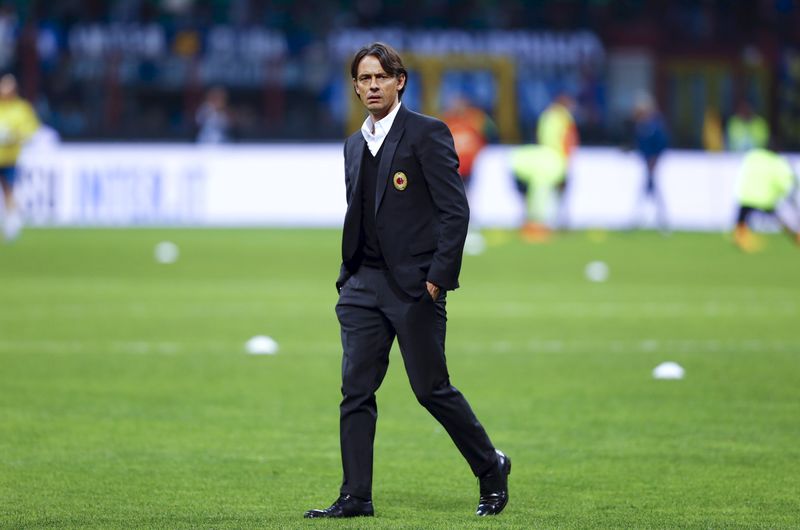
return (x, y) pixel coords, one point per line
(433, 290)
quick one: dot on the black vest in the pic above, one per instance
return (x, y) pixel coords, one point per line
(369, 246)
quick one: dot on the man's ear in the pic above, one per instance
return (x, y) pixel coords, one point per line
(355, 87)
(401, 81)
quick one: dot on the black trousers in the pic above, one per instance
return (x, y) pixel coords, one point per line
(372, 311)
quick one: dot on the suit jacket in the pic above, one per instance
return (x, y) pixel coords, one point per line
(421, 211)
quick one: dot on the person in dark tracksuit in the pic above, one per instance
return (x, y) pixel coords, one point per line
(402, 244)
(651, 140)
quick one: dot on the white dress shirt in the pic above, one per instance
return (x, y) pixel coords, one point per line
(375, 132)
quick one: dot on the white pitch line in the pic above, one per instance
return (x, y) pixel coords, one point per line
(48, 311)
(626, 310)
(454, 346)
(50, 346)
(689, 346)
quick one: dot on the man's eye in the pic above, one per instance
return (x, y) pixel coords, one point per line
(378, 77)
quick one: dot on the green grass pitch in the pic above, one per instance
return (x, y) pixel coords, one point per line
(127, 400)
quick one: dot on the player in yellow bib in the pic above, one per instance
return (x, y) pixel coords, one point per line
(538, 172)
(765, 179)
(18, 122)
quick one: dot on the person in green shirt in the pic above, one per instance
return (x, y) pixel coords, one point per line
(540, 170)
(746, 129)
(765, 179)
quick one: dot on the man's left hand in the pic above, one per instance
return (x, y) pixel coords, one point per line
(433, 290)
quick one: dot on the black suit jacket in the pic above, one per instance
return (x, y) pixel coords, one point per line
(422, 228)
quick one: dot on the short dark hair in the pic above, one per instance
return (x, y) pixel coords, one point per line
(390, 61)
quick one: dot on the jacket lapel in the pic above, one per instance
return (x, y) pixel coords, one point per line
(389, 147)
(355, 156)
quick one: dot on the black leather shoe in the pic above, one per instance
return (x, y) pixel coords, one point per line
(494, 487)
(345, 506)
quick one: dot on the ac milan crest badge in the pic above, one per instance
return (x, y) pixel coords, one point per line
(400, 181)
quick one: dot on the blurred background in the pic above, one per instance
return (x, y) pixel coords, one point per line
(126, 90)
(138, 69)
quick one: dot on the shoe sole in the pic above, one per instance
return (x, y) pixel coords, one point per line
(307, 516)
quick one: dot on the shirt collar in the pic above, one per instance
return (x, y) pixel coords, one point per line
(382, 127)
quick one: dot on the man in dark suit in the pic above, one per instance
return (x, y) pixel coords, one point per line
(403, 237)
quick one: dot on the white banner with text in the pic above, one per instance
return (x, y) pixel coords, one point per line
(303, 185)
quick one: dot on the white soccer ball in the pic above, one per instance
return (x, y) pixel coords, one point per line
(596, 271)
(668, 370)
(167, 252)
(261, 345)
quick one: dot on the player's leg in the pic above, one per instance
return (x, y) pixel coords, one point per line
(640, 208)
(523, 187)
(562, 212)
(661, 210)
(12, 221)
(7, 183)
(789, 228)
(742, 235)
(653, 190)
(536, 205)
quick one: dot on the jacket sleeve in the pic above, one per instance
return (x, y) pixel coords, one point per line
(439, 163)
(343, 272)
(347, 185)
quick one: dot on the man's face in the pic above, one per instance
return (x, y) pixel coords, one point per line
(8, 87)
(378, 91)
